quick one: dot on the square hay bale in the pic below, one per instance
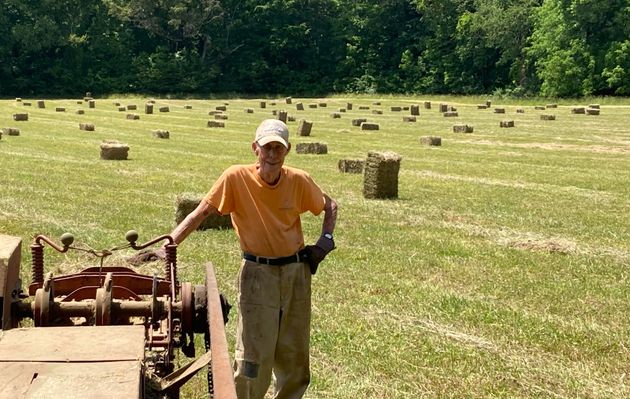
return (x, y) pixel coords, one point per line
(88, 127)
(304, 127)
(322, 105)
(488, 103)
(114, 150)
(377, 112)
(274, 112)
(499, 110)
(539, 107)
(132, 107)
(20, 116)
(148, 108)
(133, 117)
(409, 118)
(26, 103)
(363, 107)
(79, 102)
(221, 108)
(164, 109)
(427, 105)
(462, 128)
(482, 106)
(443, 107)
(405, 108)
(291, 118)
(248, 110)
(395, 109)
(282, 115)
(216, 124)
(506, 123)
(161, 134)
(221, 117)
(335, 115)
(380, 176)
(376, 103)
(92, 104)
(185, 203)
(116, 104)
(18, 99)
(41, 104)
(80, 112)
(273, 103)
(358, 121)
(551, 106)
(369, 126)
(187, 106)
(547, 117)
(349, 106)
(10, 131)
(520, 110)
(578, 110)
(262, 104)
(212, 113)
(450, 114)
(451, 108)
(592, 111)
(351, 165)
(288, 100)
(121, 109)
(415, 109)
(151, 101)
(311, 148)
(595, 106)
(341, 110)
(312, 105)
(431, 140)
(299, 107)
(60, 109)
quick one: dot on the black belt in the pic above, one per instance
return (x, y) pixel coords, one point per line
(285, 260)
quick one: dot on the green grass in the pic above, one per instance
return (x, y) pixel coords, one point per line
(502, 270)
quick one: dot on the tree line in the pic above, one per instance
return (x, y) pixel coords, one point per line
(556, 48)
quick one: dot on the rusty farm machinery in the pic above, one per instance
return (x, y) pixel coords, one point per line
(107, 331)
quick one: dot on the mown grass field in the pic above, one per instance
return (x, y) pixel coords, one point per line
(502, 270)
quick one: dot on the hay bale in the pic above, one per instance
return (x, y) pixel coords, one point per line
(369, 126)
(121, 109)
(92, 104)
(506, 123)
(395, 109)
(311, 148)
(341, 110)
(18, 99)
(273, 103)
(409, 118)
(26, 103)
(151, 101)
(248, 110)
(148, 108)
(405, 108)
(161, 134)
(304, 127)
(488, 103)
(133, 117)
(88, 127)
(376, 103)
(291, 118)
(221, 117)
(539, 107)
(41, 104)
(415, 109)
(551, 106)
(60, 109)
(443, 107)
(578, 110)
(499, 110)
(116, 104)
(462, 128)
(349, 106)
(132, 107)
(377, 112)
(216, 124)
(282, 115)
(262, 104)
(187, 106)
(312, 105)
(482, 106)
(322, 105)
(185, 203)
(592, 111)
(363, 107)
(451, 108)
(520, 110)
(358, 121)
(450, 114)
(427, 105)
(10, 131)
(547, 117)
(351, 165)
(114, 150)
(380, 176)
(212, 113)
(274, 112)
(164, 109)
(80, 112)
(595, 106)
(299, 107)
(335, 115)
(20, 116)
(221, 108)
(288, 100)
(431, 140)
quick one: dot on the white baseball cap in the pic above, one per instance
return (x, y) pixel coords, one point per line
(272, 130)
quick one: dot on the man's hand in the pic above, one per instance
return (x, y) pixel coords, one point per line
(147, 255)
(315, 254)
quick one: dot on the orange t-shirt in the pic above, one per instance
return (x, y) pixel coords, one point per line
(266, 218)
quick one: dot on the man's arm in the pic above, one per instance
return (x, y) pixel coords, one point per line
(192, 221)
(330, 215)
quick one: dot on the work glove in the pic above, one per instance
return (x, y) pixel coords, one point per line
(315, 254)
(146, 256)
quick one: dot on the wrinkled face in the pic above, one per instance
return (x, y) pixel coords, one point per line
(270, 158)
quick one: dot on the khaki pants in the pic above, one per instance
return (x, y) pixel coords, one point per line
(273, 330)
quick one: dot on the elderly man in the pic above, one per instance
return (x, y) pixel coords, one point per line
(265, 200)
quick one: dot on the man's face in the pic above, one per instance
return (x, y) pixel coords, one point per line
(270, 157)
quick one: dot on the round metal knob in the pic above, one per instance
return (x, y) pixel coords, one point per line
(67, 239)
(132, 236)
